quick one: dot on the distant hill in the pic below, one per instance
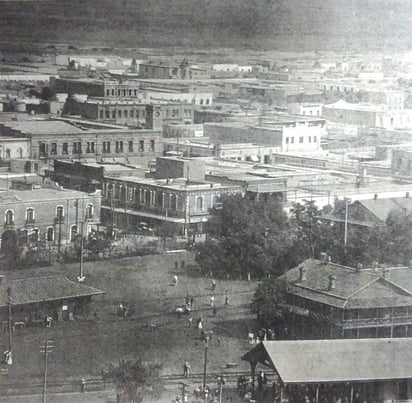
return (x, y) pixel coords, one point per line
(256, 24)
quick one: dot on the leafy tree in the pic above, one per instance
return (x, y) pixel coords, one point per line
(135, 380)
(247, 236)
(266, 302)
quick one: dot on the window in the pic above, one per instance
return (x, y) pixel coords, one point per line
(9, 217)
(43, 150)
(287, 140)
(118, 93)
(137, 114)
(107, 92)
(141, 145)
(73, 232)
(50, 234)
(20, 153)
(34, 236)
(125, 113)
(59, 213)
(30, 215)
(292, 140)
(101, 114)
(207, 101)
(132, 114)
(90, 147)
(201, 101)
(77, 147)
(310, 139)
(152, 145)
(199, 203)
(119, 146)
(107, 114)
(89, 212)
(106, 146)
(113, 92)
(301, 139)
(113, 114)
(135, 92)
(130, 93)
(119, 113)
(65, 148)
(315, 139)
(130, 148)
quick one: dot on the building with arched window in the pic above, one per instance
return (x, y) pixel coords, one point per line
(49, 214)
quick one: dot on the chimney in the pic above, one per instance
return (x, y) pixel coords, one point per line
(386, 273)
(332, 282)
(302, 277)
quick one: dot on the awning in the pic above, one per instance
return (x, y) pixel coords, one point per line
(327, 361)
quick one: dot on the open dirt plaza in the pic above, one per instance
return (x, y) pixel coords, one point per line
(152, 330)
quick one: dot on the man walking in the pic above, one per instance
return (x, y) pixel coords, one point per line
(186, 368)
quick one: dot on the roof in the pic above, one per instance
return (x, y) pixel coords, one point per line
(323, 361)
(42, 289)
(42, 127)
(354, 289)
(381, 208)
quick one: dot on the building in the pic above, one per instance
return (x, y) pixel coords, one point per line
(33, 299)
(88, 176)
(76, 139)
(309, 109)
(171, 70)
(324, 300)
(356, 370)
(132, 203)
(282, 132)
(48, 215)
(131, 112)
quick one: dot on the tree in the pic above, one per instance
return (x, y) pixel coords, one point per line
(135, 380)
(266, 302)
(247, 236)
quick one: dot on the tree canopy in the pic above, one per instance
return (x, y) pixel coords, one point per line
(135, 379)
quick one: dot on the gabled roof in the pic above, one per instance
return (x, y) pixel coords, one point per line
(343, 360)
(42, 289)
(353, 288)
(381, 208)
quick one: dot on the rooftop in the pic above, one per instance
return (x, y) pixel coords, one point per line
(42, 289)
(323, 361)
(353, 288)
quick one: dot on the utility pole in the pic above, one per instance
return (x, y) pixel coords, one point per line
(46, 349)
(345, 238)
(9, 318)
(81, 276)
(205, 362)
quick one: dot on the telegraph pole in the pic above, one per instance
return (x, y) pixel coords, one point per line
(205, 362)
(9, 318)
(46, 348)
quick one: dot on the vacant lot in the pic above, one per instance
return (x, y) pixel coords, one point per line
(84, 347)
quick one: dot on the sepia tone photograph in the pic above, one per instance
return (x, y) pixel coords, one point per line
(205, 201)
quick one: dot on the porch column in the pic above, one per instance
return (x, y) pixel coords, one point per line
(351, 394)
(317, 394)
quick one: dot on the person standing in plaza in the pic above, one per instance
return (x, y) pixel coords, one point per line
(186, 369)
(226, 296)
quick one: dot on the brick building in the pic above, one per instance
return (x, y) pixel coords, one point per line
(52, 215)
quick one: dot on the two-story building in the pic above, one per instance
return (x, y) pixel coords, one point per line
(324, 300)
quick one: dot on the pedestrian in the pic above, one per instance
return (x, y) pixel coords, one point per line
(83, 385)
(186, 369)
(175, 280)
(48, 321)
(191, 302)
(213, 285)
(8, 357)
(212, 301)
(226, 297)
(190, 320)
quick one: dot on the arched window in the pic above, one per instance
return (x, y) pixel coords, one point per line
(201, 101)
(199, 203)
(50, 234)
(34, 236)
(8, 153)
(20, 153)
(89, 212)
(73, 232)
(59, 213)
(30, 215)
(9, 217)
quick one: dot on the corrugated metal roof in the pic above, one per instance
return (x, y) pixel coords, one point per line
(41, 289)
(349, 360)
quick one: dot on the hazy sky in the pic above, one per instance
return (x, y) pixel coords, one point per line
(271, 24)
